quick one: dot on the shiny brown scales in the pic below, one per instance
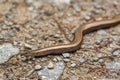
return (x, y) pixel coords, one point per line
(75, 44)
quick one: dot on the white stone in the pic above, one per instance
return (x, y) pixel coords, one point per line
(50, 65)
(7, 51)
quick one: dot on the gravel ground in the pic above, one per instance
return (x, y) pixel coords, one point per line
(30, 24)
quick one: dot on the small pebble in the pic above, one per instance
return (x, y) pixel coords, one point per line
(99, 19)
(99, 55)
(89, 14)
(115, 38)
(30, 8)
(70, 19)
(66, 60)
(97, 6)
(50, 65)
(87, 17)
(112, 46)
(109, 49)
(77, 8)
(66, 55)
(15, 43)
(59, 58)
(81, 59)
(56, 36)
(73, 65)
(41, 11)
(95, 59)
(97, 41)
(34, 33)
(34, 15)
(37, 4)
(116, 53)
(4, 33)
(30, 62)
(38, 67)
(28, 45)
(34, 47)
(23, 58)
(55, 60)
(68, 14)
(29, 1)
(99, 11)
(101, 60)
(115, 2)
(113, 65)
(51, 74)
(66, 42)
(101, 32)
(30, 72)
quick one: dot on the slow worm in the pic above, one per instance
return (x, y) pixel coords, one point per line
(75, 44)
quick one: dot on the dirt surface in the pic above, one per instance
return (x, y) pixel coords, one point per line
(30, 25)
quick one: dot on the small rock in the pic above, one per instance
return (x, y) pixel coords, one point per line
(81, 59)
(34, 47)
(70, 19)
(55, 60)
(37, 4)
(115, 2)
(101, 32)
(95, 59)
(51, 74)
(97, 6)
(4, 33)
(28, 45)
(66, 42)
(99, 19)
(66, 55)
(56, 36)
(30, 8)
(101, 60)
(77, 8)
(66, 60)
(50, 65)
(30, 72)
(98, 11)
(11, 34)
(15, 43)
(113, 65)
(116, 53)
(115, 38)
(99, 55)
(59, 58)
(61, 7)
(73, 65)
(1, 37)
(68, 14)
(89, 14)
(41, 11)
(23, 58)
(38, 67)
(33, 15)
(87, 17)
(109, 49)
(30, 62)
(99, 39)
(61, 2)
(112, 46)
(29, 1)
(34, 33)
(7, 51)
